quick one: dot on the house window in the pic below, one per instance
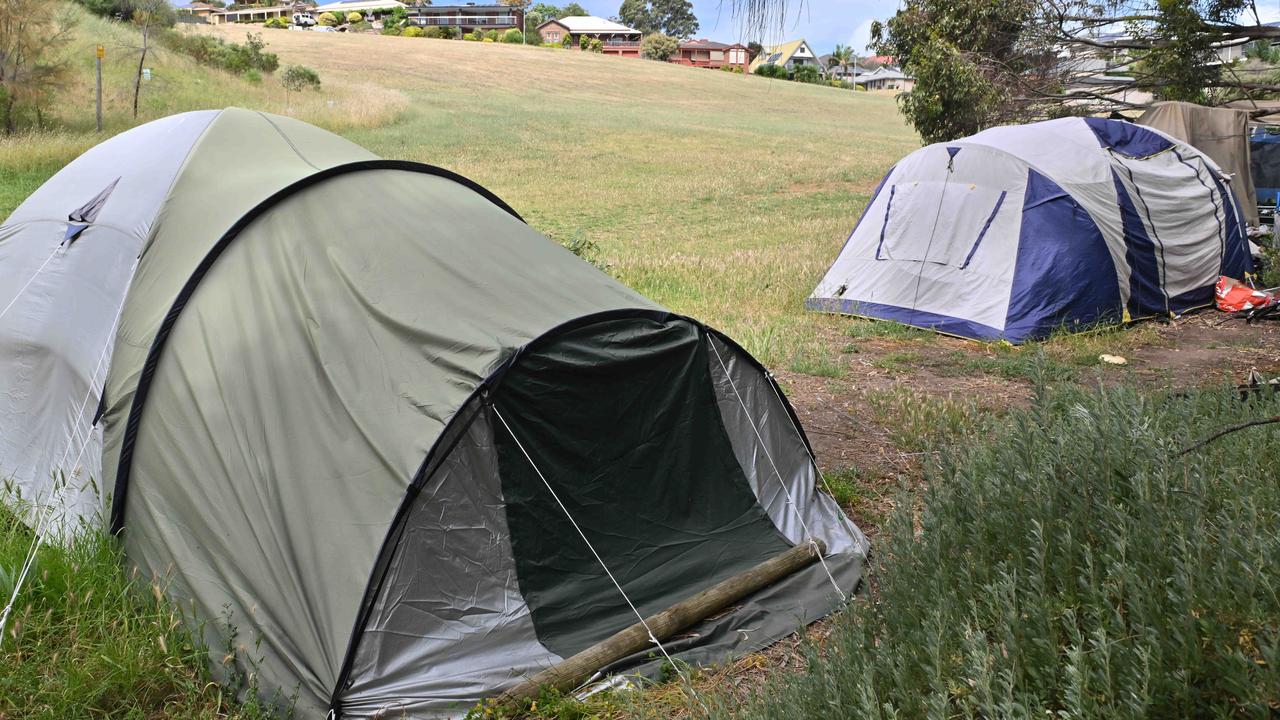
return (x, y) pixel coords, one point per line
(553, 36)
(717, 55)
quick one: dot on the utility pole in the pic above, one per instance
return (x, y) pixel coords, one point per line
(102, 52)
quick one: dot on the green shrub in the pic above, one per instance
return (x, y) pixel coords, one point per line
(414, 31)
(732, 68)
(276, 22)
(513, 36)
(1068, 565)
(566, 41)
(772, 71)
(657, 46)
(491, 36)
(362, 26)
(474, 36)
(354, 17)
(446, 33)
(393, 30)
(229, 56)
(253, 76)
(596, 45)
(327, 19)
(297, 78)
(807, 74)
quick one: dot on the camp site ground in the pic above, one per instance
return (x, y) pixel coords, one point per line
(731, 220)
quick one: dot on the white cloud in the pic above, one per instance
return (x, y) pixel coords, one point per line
(861, 37)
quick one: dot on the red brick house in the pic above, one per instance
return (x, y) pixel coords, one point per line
(712, 54)
(618, 39)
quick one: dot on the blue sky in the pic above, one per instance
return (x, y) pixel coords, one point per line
(822, 22)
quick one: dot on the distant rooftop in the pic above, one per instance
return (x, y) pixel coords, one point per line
(593, 24)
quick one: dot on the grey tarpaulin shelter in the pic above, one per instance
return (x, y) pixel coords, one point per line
(338, 391)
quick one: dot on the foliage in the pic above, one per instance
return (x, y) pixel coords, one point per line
(732, 68)
(659, 47)
(754, 49)
(297, 78)
(414, 31)
(229, 56)
(32, 32)
(276, 22)
(512, 36)
(354, 17)
(89, 640)
(1263, 51)
(807, 74)
(327, 19)
(773, 71)
(491, 35)
(567, 40)
(573, 9)
(842, 57)
(668, 17)
(474, 36)
(1068, 566)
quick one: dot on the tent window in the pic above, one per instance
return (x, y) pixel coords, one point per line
(990, 219)
(937, 221)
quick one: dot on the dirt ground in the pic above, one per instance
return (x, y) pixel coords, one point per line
(1201, 349)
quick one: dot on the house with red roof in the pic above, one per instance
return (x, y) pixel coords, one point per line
(711, 54)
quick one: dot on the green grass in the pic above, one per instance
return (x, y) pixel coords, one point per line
(1070, 566)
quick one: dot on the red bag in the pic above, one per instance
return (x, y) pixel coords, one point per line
(1234, 296)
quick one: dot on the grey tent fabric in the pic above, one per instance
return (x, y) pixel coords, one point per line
(301, 433)
(1221, 133)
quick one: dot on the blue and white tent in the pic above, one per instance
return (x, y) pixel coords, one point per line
(1020, 230)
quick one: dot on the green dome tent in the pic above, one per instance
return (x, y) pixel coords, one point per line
(362, 409)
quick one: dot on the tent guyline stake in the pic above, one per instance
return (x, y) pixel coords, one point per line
(790, 498)
(30, 280)
(43, 519)
(583, 535)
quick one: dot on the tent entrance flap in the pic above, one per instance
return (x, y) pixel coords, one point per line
(623, 417)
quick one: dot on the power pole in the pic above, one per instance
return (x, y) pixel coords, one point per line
(102, 52)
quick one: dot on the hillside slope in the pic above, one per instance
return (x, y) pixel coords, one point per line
(722, 196)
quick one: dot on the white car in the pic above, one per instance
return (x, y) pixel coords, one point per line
(304, 19)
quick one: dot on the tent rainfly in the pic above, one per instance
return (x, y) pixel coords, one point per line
(362, 409)
(1019, 231)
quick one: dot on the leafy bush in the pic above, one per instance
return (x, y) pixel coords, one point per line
(1071, 565)
(414, 31)
(732, 68)
(276, 22)
(474, 36)
(596, 45)
(253, 76)
(657, 46)
(772, 71)
(807, 74)
(233, 57)
(354, 17)
(388, 29)
(327, 19)
(513, 36)
(362, 26)
(491, 36)
(445, 33)
(567, 41)
(297, 78)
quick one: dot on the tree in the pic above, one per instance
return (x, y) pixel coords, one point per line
(573, 9)
(669, 17)
(297, 78)
(754, 49)
(657, 46)
(521, 4)
(32, 33)
(545, 11)
(842, 57)
(148, 16)
(980, 63)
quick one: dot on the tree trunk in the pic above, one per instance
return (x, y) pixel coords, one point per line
(137, 81)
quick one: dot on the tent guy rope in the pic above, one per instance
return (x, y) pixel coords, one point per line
(809, 537)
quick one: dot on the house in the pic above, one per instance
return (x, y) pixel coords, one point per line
(369, 9)
(618, 39)
(469, 18)
(840, 72)
(711, 54)
(886, 77)
(197, 11)
(790, 55)
(252, 14)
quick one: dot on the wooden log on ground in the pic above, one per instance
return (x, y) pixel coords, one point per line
(573, 671)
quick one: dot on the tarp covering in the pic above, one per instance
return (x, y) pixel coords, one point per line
(303, 434)
(1020, 231)
(1219, 132)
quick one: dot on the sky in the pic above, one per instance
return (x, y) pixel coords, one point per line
(824, 23)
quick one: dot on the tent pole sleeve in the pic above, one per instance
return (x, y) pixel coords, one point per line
(570, 673)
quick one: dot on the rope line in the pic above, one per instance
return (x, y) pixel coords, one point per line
(45, 507)
(790, 498)
(652, 638)
(796, 427)
(30, 280)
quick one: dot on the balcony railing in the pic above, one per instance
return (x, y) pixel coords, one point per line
(454, 20)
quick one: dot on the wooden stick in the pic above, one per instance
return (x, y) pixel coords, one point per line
(1227, 431)
(572, 672)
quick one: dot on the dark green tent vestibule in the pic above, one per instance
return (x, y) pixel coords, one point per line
(363, 409)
